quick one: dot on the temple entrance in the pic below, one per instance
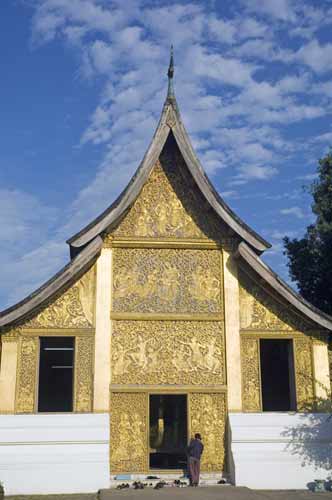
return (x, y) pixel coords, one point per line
(277, 375)
(168, 431)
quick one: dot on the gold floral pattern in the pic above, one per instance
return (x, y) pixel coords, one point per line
(251, 388)
(207, 417)
(83, 373)
(26, 374)
(128, 432)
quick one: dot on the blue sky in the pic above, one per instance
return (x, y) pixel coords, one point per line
(82, 86)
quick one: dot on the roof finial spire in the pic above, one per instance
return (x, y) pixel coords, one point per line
(170, 74)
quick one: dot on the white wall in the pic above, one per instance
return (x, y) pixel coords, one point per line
(63, 453)
(279, 450)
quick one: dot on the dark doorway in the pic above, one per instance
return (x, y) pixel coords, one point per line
(168, 431)
(277, 375)
(56, 374)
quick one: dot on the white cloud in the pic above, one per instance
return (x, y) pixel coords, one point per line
(317, 57)
(279, 9)
(295, 211)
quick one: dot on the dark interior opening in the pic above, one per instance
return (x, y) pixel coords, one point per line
(55, 392)
(168, 431)
(277, 375)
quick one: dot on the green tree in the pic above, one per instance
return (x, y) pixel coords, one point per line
(310, 258)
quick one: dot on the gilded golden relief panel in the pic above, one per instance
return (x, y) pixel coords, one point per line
(304, 374)
(167, 280)
(73, 309)
(26, 374)
(167, 352)
(128, 432)
(260, 311)
(208, 416)
(83, 373)
(170, 205)
(250, 368)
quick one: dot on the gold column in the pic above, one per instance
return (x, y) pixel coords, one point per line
(232, 331)
(8, 372)
(321, 370)
(102, 360)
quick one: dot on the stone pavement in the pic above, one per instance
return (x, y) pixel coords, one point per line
(205, 493)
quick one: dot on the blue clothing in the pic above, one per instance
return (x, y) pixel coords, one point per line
(195, 449)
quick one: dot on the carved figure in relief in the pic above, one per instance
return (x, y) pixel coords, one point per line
(204, 286)
(121, 451)
(120, 361)
(162, 217)
(196, 358)
(144, 223)
(139, 357)
(137, 437)
(212, 357)
(169, 283)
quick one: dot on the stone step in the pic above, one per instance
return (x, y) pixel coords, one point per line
(206, 479)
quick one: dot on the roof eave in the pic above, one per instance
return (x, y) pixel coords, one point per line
(70, 273)
(322, 319)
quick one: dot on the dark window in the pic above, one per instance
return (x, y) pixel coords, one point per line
(56, 374)
(277, 375)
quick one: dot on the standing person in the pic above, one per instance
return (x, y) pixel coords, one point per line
(195, 450)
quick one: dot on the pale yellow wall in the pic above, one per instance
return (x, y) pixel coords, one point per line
(232, 331)
(321, 370)
(8, 376)
(102, 370)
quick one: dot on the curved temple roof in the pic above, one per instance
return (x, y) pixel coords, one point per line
(170, 121)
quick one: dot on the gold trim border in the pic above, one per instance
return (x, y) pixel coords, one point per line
(167, 389)
(166, 316)
(162, 243)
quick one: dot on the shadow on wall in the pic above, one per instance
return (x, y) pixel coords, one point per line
(311, 438)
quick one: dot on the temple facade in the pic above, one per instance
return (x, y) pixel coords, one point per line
(165, 322)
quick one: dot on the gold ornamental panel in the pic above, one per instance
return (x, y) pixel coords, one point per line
(128, 432)
(73, 309)
(167, 280)
(304, 374)
(83, 373)
(27, 374)
(207, 415)
(170, 205)
(250, 368)
(168, 352)
(259, 310)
